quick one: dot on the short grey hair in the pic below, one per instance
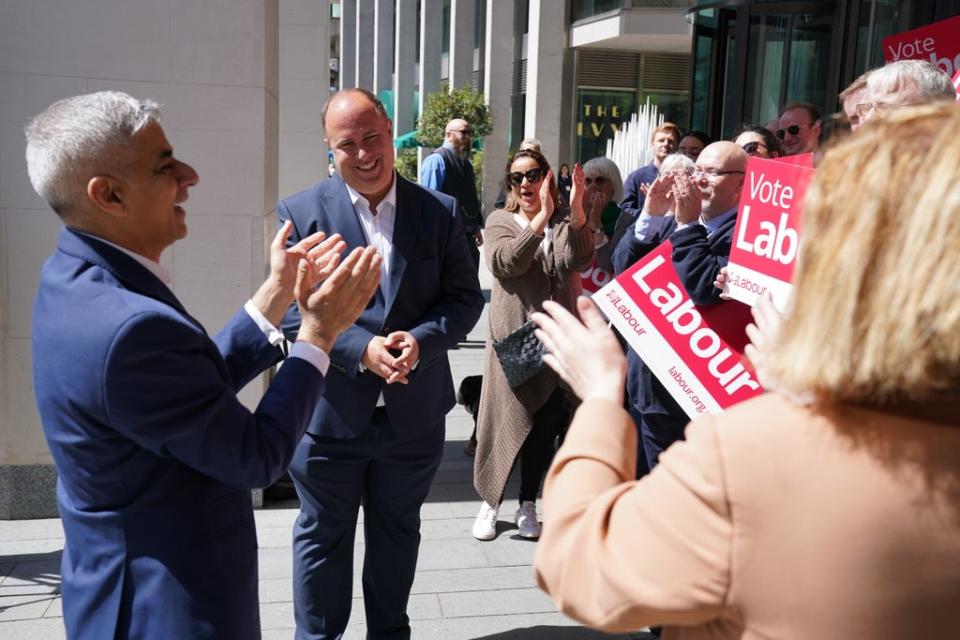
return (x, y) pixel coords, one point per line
(677, 162)
(608, 169)
(76, 138)
(932, 82)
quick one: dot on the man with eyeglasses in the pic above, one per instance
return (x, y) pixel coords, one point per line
(903, 84)
(449, 170)
(704, 207)
(799, 128)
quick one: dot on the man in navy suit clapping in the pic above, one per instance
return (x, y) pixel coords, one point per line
(155, 454)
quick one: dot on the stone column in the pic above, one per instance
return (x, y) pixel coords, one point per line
(383, 47)
(431, 48)
(497, 88)
(348, 43)
(304, 87)
(405, 56)
(215, 72)
(546, 44)
(364, 44)
(462, 16)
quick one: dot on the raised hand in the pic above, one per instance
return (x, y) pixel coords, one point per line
(328, 309)
(274, 297)
(659, 196)
(585, 354)
(577, 216)
(763, 333)
(686, 197)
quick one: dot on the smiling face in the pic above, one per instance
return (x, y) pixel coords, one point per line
(361, 138)
(720, 177)
(756, 141)
(664, 143)
(527, 193)
(151, 190)
(807, 132)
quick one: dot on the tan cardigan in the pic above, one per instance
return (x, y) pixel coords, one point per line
(522, 281)
(770, 521)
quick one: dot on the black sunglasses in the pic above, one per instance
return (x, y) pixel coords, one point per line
(598, 180)
(752, 147)
(533, 175)
(793, 130)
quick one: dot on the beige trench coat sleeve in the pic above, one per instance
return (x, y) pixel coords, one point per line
(509, 253)
(619, 554)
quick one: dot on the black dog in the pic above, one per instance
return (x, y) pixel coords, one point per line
(469, 396)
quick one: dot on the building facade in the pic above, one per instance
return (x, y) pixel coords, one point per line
(752, 57)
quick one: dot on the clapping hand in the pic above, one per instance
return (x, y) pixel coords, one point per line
(329, 306)
(763, 333)
(686, 197)
(585, 354)
(577, 216)
(659, 196)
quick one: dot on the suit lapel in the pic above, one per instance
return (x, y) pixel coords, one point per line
(135, 276)
(405, 226)
(343, 217)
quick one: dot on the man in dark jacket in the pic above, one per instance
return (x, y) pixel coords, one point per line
(701, 232)
(448, 170)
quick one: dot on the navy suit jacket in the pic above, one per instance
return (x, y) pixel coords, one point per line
(633, 197)
(156, 456)
(435, 296)
(697, 259)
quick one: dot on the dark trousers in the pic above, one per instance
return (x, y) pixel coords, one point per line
(659, 431)
(538, 449)
(390, 476)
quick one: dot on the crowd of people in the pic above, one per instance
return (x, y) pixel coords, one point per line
(829, 507)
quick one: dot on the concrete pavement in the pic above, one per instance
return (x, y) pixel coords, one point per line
(464, 588)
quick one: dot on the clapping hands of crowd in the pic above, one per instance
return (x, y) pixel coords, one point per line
(686, 198)
(567, 339)
(659, 196)
(577, 216)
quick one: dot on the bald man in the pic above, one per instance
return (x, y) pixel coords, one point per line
(449, 170)
(376, 436)
(701, 232)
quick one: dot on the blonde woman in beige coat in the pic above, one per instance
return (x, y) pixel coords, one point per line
(830, 508)
(535, 253)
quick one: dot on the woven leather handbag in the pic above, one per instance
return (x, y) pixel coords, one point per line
(520, 354)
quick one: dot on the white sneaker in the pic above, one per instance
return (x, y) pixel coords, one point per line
(526, 520)
(485, 526)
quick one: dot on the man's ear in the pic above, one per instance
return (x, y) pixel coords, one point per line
(106, 195)
(817, 126)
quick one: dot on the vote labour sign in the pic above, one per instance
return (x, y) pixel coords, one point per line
(937, 43)
(766, 239)
(696, 352)
(594, 278)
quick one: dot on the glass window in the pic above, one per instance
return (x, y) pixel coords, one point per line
(765, 67)
(582, 9)
(810, 60)
(705, 32)
(878, 19)
(675, 107)
(600, 112)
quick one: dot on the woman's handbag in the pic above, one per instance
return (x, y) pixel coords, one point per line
(520, 354)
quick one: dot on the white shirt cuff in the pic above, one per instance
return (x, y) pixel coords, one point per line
(314, 355)
(272, 334)
(648, 225)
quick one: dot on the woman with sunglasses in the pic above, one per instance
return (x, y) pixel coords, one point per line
(603, 190)
(535, 252)
(759, 141)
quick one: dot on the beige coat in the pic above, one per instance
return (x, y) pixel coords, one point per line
(770, 521)
(522, 281)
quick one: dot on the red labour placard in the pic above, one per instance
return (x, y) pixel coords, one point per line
(696, 352)
(937, 43)
(766, 240)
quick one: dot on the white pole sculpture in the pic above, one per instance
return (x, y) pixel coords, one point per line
(630, 146)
